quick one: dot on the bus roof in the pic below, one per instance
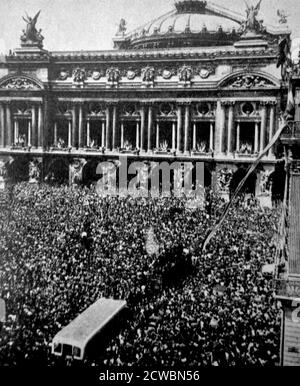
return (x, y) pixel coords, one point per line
(80, 331)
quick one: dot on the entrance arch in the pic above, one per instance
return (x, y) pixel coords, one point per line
(250, 184)
(89, 173)
(277, 179)
(18, 169)
(58, 172)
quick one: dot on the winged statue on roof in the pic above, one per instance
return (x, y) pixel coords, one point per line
(122, 27)
(251, 23)
(31, 33)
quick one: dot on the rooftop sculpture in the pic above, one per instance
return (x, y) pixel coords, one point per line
(32, 37)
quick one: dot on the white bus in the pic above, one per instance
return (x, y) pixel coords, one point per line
(93, 325)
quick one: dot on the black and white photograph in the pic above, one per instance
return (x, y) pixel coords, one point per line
(149, 186)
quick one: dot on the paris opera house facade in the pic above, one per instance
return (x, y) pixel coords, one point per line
(198, 84)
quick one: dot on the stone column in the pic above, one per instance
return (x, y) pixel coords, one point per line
(80, 127)
(29, 134)
(256, 138)
(74, 128)
(157, 135)
(142, 112)
(55, 134)
(263, 126)
(137, 137)
(3, 174)
(2, 126)
(179, 128)
(114, 127)
(272, 127)
(238, 134)
(88, 133)
(122, 135)
(103, 135)
(107, 142)
(48, 118)
(33, 126)
(16, 130)
(69, 133)
(150, 124)
(186, 129)
(222, 124)
(230, 128)
(8, 126)
(211, 137)
(194, 135)
(173, 136)
(40, 126)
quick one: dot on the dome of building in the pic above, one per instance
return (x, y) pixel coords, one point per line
(195, 22)
(192, 23)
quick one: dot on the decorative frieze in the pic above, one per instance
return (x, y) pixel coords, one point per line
(248, 82)
(19, 83)
(115, 74)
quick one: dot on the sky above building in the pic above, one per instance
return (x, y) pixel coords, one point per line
(91, 24)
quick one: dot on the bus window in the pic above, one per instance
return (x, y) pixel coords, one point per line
(67, 350)
(57, 349)
(76, 353)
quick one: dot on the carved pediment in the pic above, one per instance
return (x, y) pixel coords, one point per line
(248, 81)
(20, 83)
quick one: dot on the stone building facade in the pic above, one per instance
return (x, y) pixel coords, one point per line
(199, 84)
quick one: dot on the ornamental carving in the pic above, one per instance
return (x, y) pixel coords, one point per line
(79, 75)
(30, 35)
(130, 74)
(224, 178)
(20, 83)
(265, 184)
(249, 81)
(22, 108)
(96, 75)
(34, 171)
(122, 28)
(204, 73)
(76, 169)
(3, 170)
(96, 109)
(251, 24)
(63, 108)
(185, 74)
(129, 109)
(63, 74)
(167, 109)
(113, 75)
(148, 74)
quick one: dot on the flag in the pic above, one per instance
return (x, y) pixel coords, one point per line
(290, 106)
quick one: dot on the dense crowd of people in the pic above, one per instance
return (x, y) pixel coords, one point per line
(62, 248)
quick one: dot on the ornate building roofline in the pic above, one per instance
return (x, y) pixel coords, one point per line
(150, 35)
